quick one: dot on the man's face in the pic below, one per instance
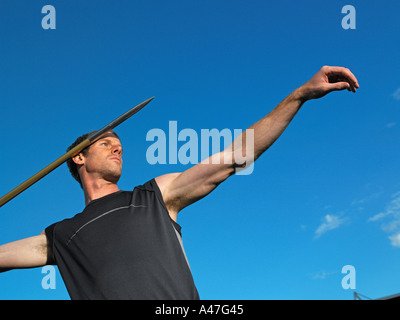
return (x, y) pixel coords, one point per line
(104, 158)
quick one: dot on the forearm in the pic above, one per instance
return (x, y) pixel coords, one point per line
(10, 257)
(270, 128)
(262, 134)
(5, 259)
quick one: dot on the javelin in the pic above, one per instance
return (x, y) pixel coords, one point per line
(74, 151)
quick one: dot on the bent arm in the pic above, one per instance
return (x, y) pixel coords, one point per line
(26, 253)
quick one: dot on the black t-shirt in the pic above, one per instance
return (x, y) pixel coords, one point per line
(123, 246)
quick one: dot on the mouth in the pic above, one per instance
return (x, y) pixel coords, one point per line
(116, 158)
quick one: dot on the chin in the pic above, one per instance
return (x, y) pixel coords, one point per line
(112, 176)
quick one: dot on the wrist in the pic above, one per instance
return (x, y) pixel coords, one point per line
(299, 95)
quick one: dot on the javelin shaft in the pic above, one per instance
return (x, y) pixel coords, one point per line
(35, 178)
(119, 120)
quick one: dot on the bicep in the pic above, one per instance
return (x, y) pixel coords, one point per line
(182, 189)
(26, 253)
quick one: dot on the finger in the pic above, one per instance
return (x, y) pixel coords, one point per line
(338, 86)
(335, 78)
(341, 71)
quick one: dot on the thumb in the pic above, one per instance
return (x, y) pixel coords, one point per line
(337, 86)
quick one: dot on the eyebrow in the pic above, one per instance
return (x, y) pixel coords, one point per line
(109, 140)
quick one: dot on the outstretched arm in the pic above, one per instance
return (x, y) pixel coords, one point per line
(181, 189)
(26, 253)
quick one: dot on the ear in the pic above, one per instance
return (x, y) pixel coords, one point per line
(78, 159)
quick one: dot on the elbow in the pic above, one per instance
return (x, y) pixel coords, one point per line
(236, 162)
(244, 168)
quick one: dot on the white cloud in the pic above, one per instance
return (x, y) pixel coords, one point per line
(329, 222)
(396, 94)
(395, 240)
(393, 209)
(390, 218)
(378, 216)
(322, 275)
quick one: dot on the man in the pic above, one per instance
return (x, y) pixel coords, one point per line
(127, 245)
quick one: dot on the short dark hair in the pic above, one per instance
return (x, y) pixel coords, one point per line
(73, 168)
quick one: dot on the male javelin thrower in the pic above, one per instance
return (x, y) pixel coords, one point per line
(127, 244)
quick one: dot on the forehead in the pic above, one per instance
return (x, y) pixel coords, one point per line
(108, 136)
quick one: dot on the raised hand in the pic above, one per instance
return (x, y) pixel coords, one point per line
(326, 80)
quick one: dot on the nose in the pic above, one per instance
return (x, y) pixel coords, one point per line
(117, 149)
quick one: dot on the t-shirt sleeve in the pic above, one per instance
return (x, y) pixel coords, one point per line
(49, 231)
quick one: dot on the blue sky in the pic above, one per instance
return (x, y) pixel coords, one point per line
(325, 195)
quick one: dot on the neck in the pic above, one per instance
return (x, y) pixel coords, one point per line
(97, 189)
